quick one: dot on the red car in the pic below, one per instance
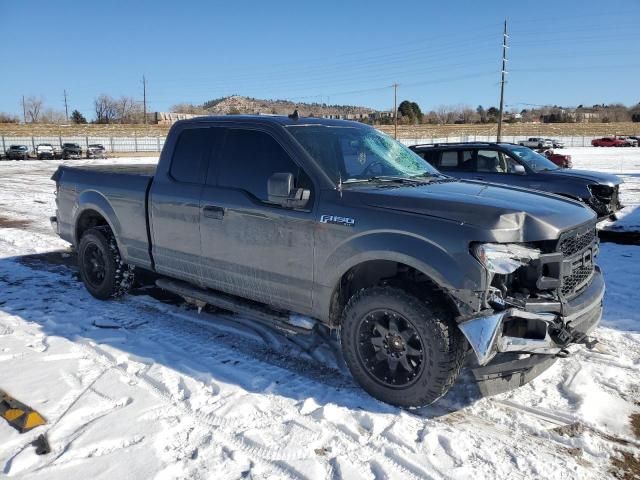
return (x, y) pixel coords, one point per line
(610, 142)
(563, 161)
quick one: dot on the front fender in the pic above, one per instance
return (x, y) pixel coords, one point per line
(453, 269)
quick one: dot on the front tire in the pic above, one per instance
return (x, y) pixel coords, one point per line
(400, 349)
(102, 270)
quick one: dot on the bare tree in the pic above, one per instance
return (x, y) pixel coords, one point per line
(468, 114)
(105, 108)
(33, 107)
(443, 113)
(128, 110)
(9, 118)
(50, 115)
(187, 108)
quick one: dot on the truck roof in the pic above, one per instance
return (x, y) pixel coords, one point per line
(273, 119)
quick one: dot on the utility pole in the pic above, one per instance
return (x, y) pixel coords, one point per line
(66, 108)
(502, 81)
(144, 98)
(395, 110)
(24, 111)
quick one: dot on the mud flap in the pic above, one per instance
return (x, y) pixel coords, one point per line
(18, 415)
(500, 377)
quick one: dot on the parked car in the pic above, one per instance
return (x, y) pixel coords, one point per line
(17, 152)
(71, 150)
(555, 143)
(336, 221)
(631, 140)
(609, 142)
(636, 138)
(44, 151)
(519, 166)
(537, 142)
(563, 161)
(95, 150)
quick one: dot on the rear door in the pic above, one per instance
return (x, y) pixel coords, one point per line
(175, 207)
(250, 247)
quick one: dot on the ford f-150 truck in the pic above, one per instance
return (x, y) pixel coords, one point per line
(335, 221)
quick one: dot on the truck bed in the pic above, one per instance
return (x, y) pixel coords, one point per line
(118, 193)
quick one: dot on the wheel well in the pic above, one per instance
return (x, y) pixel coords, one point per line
(384, 272)
(89, 219)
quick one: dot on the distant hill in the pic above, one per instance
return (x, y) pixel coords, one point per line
(237, 104)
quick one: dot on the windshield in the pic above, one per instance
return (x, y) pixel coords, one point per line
(534, 161)
(351, 154)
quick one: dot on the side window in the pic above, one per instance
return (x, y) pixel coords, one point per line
(449, 160)
(189, 162)
(510, 164)
(467, 160)
(490, 161)
(250, 157)
(430, 156)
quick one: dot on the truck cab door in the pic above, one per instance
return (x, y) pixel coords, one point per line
(174, 206)
(252, 248)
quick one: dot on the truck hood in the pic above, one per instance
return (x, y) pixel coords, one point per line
(587, 175)
(522, 215)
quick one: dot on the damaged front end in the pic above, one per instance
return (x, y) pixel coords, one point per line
(543, 297)
(604, 200)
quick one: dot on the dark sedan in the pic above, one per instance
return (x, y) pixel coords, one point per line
(515, 165)
(17, 152)
(71, 150)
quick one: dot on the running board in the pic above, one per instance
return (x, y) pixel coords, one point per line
(256, 311)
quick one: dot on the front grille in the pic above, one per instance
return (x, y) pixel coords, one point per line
(576, 242)
(573, 283)
(574, 246)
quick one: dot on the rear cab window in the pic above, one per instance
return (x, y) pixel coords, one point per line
(191, 155)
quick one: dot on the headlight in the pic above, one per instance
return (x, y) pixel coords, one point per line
(504, 258)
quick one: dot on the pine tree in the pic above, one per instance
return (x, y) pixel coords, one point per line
(77, 117)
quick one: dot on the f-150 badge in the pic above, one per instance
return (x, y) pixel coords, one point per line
(346, 221)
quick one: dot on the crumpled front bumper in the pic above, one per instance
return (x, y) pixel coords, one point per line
(538, 328)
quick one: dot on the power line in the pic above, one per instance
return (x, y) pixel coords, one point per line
(504, 71)
(144, 98)
(395, 110)
(66, 109)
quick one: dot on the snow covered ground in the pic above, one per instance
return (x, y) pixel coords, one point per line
(144, 388)
(624, 162)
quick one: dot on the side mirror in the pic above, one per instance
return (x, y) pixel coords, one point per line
(281, 191)
(519, 170)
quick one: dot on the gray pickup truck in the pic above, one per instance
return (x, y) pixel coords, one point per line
(281, 218)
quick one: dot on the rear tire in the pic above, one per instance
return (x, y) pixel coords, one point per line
(400, 349)
(102, 270)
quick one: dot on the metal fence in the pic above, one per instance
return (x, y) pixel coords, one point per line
(111, 144)
(582, 141)
(154, 144)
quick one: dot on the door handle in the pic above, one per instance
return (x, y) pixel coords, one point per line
(478, 178)
(211, 211)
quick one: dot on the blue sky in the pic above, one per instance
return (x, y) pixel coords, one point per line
(562, 52)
